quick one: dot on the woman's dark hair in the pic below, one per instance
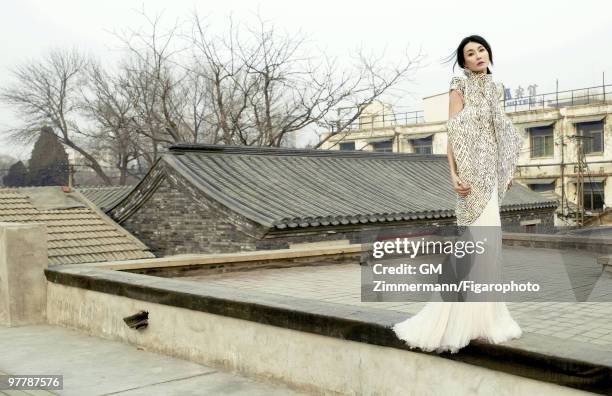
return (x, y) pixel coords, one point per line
(458, 54)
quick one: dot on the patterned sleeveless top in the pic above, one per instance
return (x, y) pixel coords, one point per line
(485, 143)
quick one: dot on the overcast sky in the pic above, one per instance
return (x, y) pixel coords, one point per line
(533, 42)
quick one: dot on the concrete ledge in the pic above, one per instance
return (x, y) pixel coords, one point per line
(199, 264)
(562, 242)
(317, 364)
(309, 254)
(606, 263)
(532, 357)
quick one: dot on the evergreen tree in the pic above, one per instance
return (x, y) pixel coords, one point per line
(17, 175)
(49, 161)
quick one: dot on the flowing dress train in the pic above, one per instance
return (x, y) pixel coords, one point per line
(449, 326)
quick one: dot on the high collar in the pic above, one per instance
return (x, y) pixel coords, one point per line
(480, 77)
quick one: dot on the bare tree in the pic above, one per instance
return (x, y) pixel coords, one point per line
(168, 99)
(47, 92)
(106, 101)
(265, 86)
(374, 78)
(249, 85)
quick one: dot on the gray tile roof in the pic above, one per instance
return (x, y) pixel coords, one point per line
(105, 197)
(290, 188)
(554, 196)
(77, 231)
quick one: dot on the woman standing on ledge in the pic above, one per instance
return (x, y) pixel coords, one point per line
(485, 146)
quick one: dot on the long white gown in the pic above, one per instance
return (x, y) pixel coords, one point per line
(449, 326)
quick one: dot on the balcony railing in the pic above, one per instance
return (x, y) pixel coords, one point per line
(372, 121)
(581, 96)
(554, 100)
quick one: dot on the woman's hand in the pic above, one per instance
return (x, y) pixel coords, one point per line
(462, 188)
(510, 184)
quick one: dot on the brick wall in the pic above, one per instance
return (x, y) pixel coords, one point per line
(512, 222)
(363, 234)
(178, 219)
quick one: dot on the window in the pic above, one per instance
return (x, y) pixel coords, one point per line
(384, 146)
(347, 146)
(543, 187)
(530, 228)
(593, 133)
(593, 194)
(423, 146)
(541, 141)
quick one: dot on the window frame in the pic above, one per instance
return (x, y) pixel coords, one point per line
(588, 193)
(423, 143)
(587, 143)
(542, 133)
(390, 146)
(345, 143)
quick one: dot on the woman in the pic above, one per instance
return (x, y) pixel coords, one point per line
(483, 151)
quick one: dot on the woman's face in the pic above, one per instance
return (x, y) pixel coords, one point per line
(476, 57)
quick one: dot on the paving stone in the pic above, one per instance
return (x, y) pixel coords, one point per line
(588, 322)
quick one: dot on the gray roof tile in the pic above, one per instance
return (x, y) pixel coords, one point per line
(76, 234)
(105, 197)
(289, 188)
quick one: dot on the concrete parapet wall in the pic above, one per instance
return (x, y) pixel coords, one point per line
(305, 361)
(23, 258)
(561, 242)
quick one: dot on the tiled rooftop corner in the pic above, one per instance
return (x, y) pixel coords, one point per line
(77, 230)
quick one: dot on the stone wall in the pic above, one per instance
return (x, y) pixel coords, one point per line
(543, 221)
(513, 222)
(178, 219)
(359, 234)
(23, 259)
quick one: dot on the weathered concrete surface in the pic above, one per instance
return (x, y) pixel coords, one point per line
(596, 243)
(94, 366)
(307, 361)
(23, 258)
(605, 262)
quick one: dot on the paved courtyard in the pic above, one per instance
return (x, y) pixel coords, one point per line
(587, 322)
(95, 366)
